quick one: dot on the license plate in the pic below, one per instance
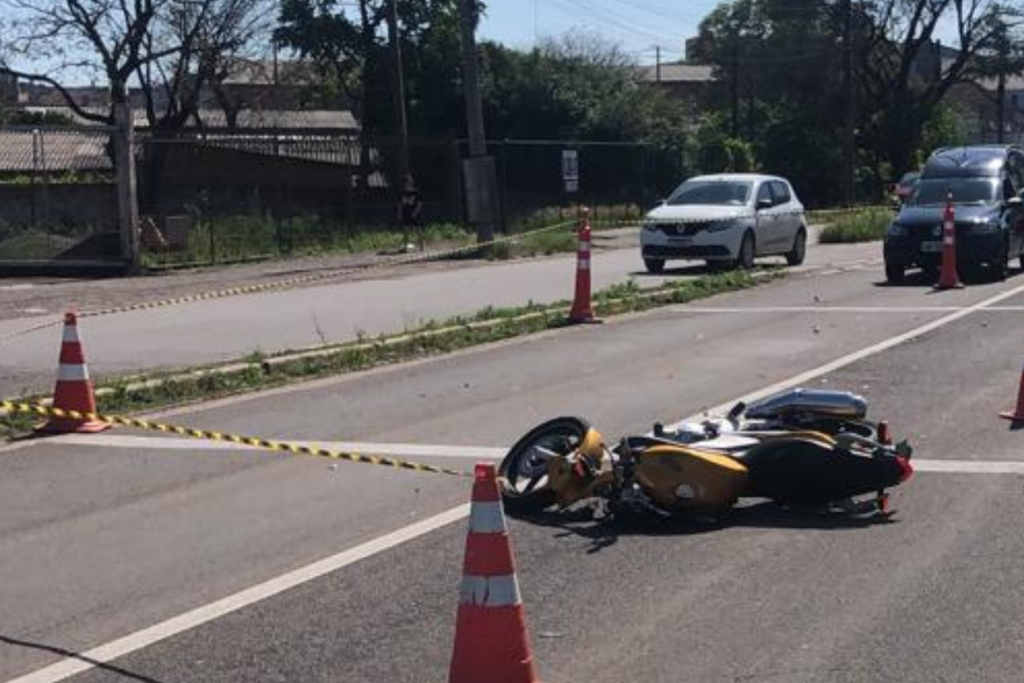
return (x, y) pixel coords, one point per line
(680, 241)
(931, 247)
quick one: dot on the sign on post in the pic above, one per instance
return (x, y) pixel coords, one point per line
(571, 170)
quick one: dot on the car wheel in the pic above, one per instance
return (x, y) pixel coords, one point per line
(894, 272)
(795, 256)
(745, 259)
(654, 265)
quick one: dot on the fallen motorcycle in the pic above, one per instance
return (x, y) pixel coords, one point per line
(766, 450)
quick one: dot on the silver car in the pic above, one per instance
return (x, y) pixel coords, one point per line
(726, 220)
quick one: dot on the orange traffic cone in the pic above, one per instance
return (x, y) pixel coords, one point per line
(1018, 413)
(74, 388)
(582, 312)
(491, 643)
(948, 278)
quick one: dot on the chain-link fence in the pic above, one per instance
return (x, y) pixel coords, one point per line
(217, 195)
(58, 201)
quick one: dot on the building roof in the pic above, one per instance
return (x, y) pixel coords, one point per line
(269, 72)
(247, 118)
(22, 151)
(678, 73)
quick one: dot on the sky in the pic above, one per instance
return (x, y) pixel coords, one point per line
(637, 25)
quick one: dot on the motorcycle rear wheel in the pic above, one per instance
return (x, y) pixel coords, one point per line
(524, 470)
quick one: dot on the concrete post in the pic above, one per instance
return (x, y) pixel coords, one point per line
(127, 199)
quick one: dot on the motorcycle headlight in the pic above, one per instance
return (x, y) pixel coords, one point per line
(897, 230)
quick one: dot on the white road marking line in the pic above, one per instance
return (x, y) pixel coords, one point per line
(841, 309)
(851, 358)
(72, 666)
(467, 452)
(968, 466)
(182, 444)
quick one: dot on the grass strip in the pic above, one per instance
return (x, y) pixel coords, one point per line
(865, 225)
(257, 371)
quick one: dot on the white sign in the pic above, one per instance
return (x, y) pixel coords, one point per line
(571, 170)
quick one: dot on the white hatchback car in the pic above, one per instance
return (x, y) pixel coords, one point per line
(726, 220)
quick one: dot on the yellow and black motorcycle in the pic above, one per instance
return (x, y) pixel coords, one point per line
(565, 460)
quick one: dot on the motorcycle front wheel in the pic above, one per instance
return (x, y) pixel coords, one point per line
(524, 470)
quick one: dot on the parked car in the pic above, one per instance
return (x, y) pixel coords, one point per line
(986, 184)
(726, 220)
(904, 188)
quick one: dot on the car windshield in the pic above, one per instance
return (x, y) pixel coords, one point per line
(711, 192)
(935, 191)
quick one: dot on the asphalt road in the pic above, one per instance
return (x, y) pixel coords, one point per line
(225, 329)
(100, 541)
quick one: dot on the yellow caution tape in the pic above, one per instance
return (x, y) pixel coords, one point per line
(209, 435)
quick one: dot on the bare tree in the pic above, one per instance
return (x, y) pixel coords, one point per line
(166, 49)
(903, 73)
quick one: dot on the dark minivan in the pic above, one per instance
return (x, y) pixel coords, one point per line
(986, 183)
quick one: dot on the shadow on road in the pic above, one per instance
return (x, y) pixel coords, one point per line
(125, 673)
(592, 522)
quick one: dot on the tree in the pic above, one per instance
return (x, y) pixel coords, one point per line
(167, 49)
(579, 87)
(903, 74)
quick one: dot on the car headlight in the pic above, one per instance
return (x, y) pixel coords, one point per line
(897, 230)
(719, 226)
(649, 227)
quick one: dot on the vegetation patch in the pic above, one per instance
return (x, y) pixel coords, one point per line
(865, 225)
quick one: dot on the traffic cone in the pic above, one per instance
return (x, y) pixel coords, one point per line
(582, 312)
(948, 278)
(1018, 413)
(491, 643)
(74, 389)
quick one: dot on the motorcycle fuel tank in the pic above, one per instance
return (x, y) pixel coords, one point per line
(843, 404)
(685, 478)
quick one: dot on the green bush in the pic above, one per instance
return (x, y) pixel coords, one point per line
(864, 225)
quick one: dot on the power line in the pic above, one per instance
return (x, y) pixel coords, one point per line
(599, 17)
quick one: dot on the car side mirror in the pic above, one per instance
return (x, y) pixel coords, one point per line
(1013, 201)
(764, 204)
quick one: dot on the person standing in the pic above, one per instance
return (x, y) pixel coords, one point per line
(411, 210)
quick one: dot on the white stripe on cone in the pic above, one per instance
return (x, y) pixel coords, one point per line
(490, 591)
(72, 373)
(70, 334)
(584, 264)
(487, 518)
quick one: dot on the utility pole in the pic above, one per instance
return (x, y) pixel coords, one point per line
(479, 169)
(398, 91)
(657, 64)
(734, 89)
(124, 165)
(846, 182)
(1002, 66)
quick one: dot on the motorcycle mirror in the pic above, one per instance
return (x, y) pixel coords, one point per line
(737, 410)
